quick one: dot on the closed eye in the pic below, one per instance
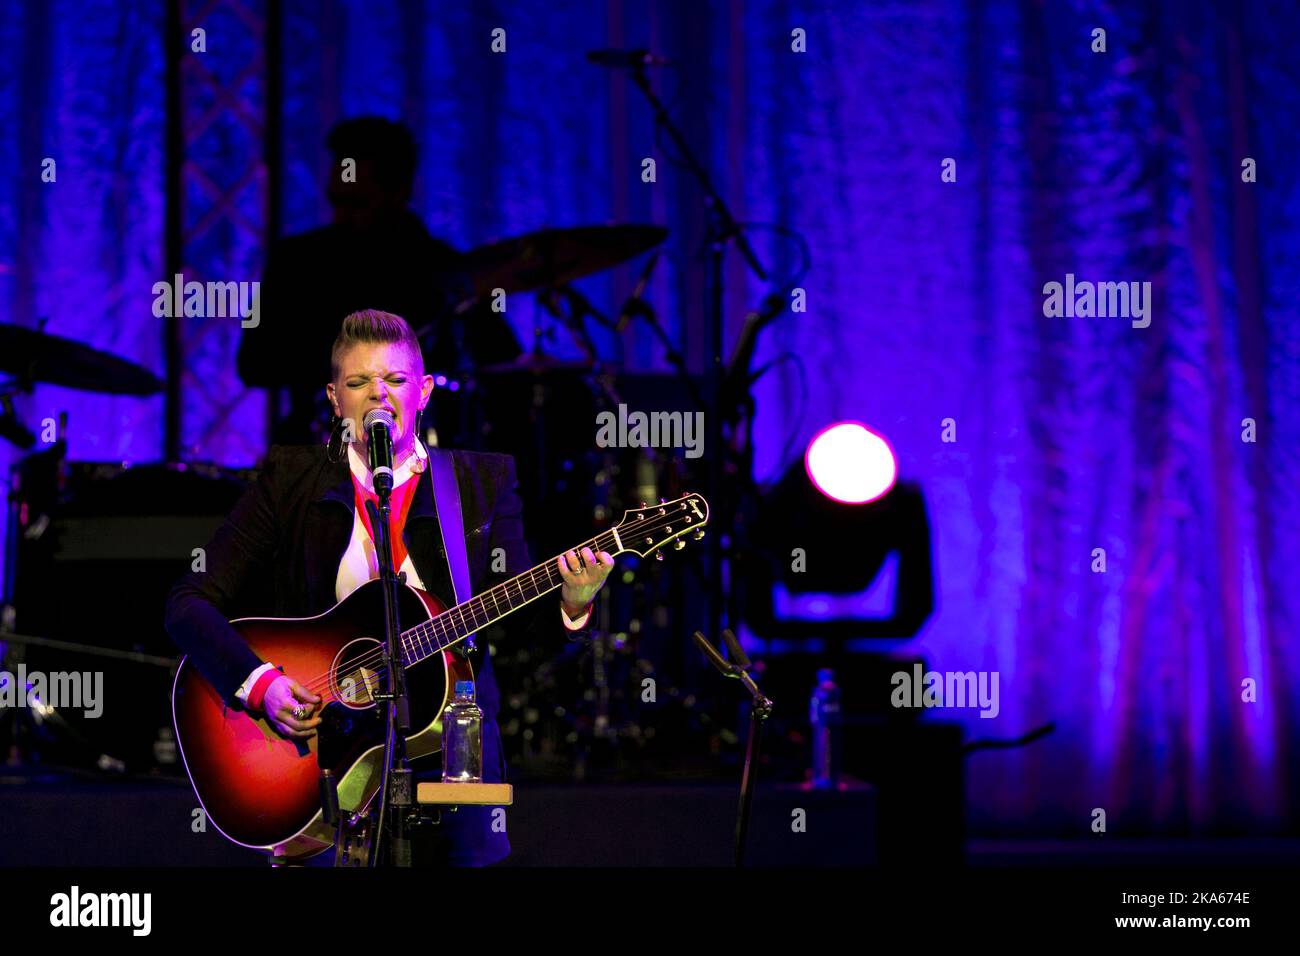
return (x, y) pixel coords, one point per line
(392, 380)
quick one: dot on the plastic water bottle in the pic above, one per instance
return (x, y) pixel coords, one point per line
(462, 737)
(824, 715)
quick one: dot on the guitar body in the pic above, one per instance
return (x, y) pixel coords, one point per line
(262, 790)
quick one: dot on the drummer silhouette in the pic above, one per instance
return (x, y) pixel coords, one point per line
(375, 254)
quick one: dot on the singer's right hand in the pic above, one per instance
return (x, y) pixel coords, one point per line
(278, 704)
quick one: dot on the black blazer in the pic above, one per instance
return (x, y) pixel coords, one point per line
(278, 553)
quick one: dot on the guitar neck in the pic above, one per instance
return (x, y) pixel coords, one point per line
(456, 623)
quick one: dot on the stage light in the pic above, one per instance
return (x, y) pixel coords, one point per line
(839, 546)
(849, 463)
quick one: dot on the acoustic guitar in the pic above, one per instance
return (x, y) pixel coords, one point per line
(261, 790)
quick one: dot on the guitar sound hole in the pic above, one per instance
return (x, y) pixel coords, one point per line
(357, 673)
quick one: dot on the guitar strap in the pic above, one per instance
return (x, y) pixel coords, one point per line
(451, 525)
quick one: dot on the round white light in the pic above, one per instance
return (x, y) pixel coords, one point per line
(850, 463)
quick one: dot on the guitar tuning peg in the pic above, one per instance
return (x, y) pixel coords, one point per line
(642, 502)
(699, 535)
(659, 555)
(662, 500)
(679, 544)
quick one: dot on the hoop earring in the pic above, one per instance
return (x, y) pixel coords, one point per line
(334, 446)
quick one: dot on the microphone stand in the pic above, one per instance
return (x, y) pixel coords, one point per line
(721, 228)
(396, 792)
(760, 708)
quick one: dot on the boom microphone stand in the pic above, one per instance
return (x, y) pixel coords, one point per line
(721, 229)
(760, 708)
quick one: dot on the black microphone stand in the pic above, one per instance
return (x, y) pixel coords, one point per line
(397, 795)
(760, 708)
(720, 230)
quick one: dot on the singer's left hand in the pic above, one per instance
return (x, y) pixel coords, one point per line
(583, 575)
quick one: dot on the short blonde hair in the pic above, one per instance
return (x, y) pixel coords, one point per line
(371, 325)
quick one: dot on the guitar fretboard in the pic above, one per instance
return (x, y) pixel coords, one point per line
(456, 623)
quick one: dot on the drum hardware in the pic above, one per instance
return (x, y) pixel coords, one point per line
(97, 524)
(32, 356)
(41, 720)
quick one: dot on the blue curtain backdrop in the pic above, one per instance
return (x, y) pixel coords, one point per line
(83, 84)
(925, 303)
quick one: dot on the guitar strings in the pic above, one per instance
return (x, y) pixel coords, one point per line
(323, 682)
(378, 678)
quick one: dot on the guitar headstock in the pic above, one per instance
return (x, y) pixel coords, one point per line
(646, 529)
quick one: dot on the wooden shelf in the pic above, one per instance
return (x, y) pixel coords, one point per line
(465, 794)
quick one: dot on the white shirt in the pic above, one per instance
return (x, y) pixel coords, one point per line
(360, 563)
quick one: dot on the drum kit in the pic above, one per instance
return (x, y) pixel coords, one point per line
(100, 521)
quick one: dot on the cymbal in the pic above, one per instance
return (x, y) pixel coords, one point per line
(551, 257)
(34, 356)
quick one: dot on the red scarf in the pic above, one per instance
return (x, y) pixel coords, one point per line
(399, 502)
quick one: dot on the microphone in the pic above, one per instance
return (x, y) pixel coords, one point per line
(626, 59)
(772, 306)
(379, 426)
(734, 650)
(733, 668)
(711, 652)
(636, 305)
